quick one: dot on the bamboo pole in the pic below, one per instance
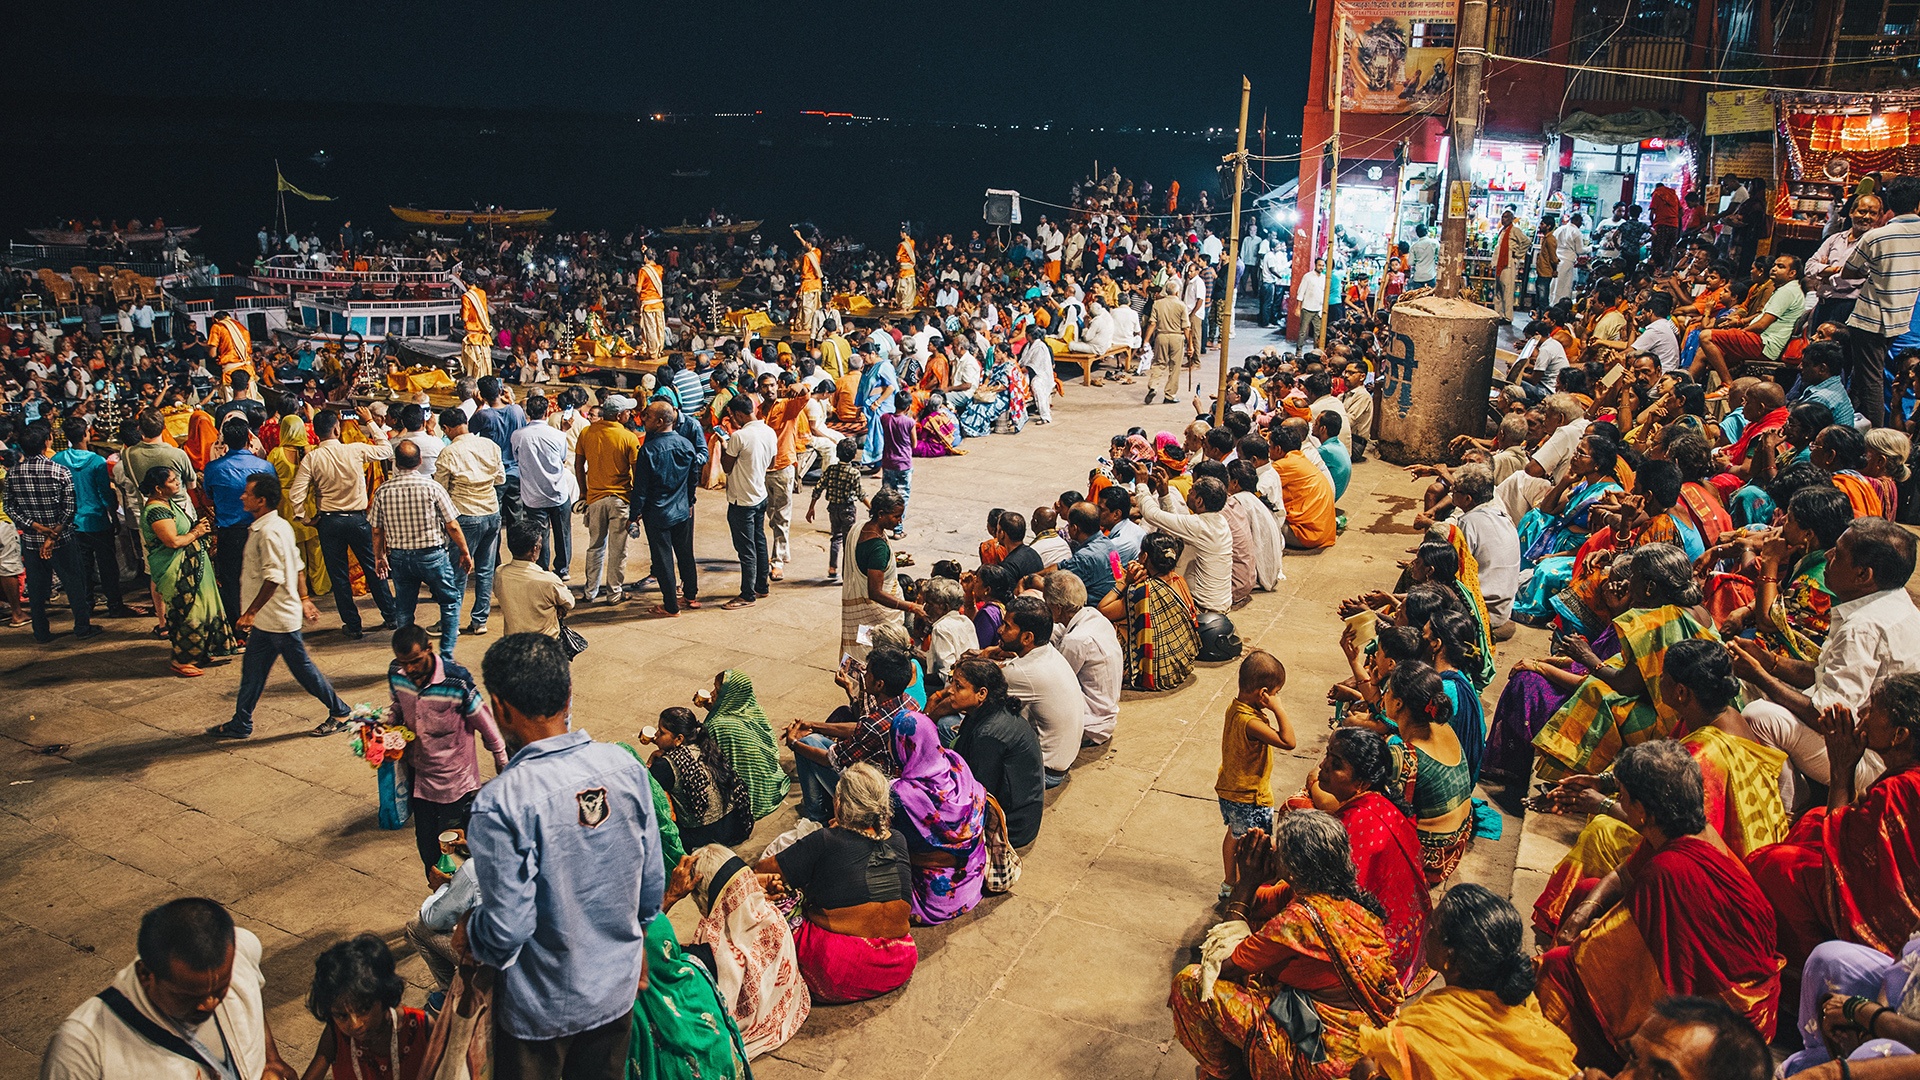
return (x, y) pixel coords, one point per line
(1233, 256)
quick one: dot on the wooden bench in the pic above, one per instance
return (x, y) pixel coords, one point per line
(1088, 361)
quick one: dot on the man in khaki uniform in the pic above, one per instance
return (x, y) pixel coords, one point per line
(1171, 333)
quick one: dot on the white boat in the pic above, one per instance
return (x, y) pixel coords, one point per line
(332, 317)
(196, 299)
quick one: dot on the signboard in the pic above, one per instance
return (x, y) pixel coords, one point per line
(1398, 55)
(1730, 111)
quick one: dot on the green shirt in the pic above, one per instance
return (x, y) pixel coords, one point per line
(1786, 305)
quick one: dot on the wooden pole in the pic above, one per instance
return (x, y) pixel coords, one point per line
(1233, 255)
(1333, 181)
(1469, 61)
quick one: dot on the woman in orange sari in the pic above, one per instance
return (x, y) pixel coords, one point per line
(1682, 916)
(1352, 783)
(1842, 450)
(1851, 871)
(1323, 955)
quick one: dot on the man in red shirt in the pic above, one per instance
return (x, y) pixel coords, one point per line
(1665, 207)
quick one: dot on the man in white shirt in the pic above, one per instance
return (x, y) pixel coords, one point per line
(1312, 293)
(1091, 647)
(413, 429)
(188, 1008)
(1194, 295)
(1570, 246)
(1276, 274)
(1037, 357)
(271, 585)
(1658, 335)
(1874, 633)
(953, 633)
(747, 455)
(547, 486)
(1207, 559)
(1566, 422)
(1043, 682)
(1423, 259)
(1210, 246)
(1099, 335)
(1492, 538)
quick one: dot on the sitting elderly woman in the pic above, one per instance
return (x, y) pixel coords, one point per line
(1532, 695)
(1551, 534)
(1485, 1021)
(1850, 871)
(746, 944)
(1324, 950)
(941, 810)
(855, 883)
(1740, 778)
(1619, 704)
(1682, 916)
(937, 432)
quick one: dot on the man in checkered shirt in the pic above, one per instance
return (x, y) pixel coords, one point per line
(413, 522)
(40, 500)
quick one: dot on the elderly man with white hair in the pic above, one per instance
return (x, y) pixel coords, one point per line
(953, 633)
(1092, 648)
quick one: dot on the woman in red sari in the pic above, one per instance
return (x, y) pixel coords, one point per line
(1681, 916)
(1324, 953)
(1851, 871)
(1352, 783)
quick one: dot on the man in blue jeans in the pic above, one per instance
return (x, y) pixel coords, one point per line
(413, 523)
(469, 467)
(747, 455)
(270, 584)
(821, 751)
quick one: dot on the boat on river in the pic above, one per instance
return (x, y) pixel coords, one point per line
(737, 228)
(471, 217)
(79, 238)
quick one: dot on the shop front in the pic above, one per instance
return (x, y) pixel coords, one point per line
(1507, 175)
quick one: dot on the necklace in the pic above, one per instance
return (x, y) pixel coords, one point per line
(393, 1048)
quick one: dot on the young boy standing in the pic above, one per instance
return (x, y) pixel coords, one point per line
(896, 455)
(1247, 741)
(840, 483)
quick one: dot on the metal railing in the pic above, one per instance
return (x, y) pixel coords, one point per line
(1523, 27)
(286, 270)
(1640, 53)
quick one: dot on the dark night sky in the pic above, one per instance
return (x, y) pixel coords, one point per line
(1130, 62)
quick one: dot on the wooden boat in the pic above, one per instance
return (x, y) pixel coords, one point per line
(737, 228)
(80, 238)
(470, 217)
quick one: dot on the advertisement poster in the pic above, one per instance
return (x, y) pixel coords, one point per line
(1398, 55)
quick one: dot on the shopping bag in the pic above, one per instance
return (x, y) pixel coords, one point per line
(395, 784)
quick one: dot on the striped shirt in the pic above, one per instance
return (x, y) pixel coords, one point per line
(445, 715)
(1889, 259)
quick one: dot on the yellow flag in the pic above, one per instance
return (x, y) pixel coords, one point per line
(287, 186)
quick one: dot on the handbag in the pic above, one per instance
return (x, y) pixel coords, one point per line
(572, 642)
(1003, 862)
(395, 785)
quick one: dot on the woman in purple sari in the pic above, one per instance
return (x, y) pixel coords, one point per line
(1532, 697)
(941, 810)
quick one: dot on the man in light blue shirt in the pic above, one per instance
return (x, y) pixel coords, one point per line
(1116, 519)
(1093, 551)
(93, 501)
(569, 872)
(547, 485)
(1820, 380)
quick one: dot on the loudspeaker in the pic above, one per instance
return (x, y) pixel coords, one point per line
(1002, 207)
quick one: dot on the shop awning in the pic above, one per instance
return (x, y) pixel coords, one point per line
(1618, 129)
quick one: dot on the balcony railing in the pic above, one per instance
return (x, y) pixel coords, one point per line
(1668, 54)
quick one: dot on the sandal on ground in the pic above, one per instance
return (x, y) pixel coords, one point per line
(690, 604)
(660, 612)
(736, 604)
(186, 671)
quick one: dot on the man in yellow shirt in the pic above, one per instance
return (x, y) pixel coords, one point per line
(907, 289)
(603, 468)
(653, 307)
(476, 351)
(834, 352)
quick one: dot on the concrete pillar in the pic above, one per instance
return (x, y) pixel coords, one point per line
(1439, 367)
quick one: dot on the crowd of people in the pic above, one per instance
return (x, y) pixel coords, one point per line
(1731, 700)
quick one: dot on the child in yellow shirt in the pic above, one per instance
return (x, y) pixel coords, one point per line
(1247, 741)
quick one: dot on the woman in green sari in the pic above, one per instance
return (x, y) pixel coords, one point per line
(182, 571)
(736, 722)
(1619, 704)
(681, 1028)
(1552, 533)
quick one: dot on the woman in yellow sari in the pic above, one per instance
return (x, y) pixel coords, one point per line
(1322, 957)
(1485, 1021)
(1740, 780)
(285, 460)
(1681, 917)
(1619, 705)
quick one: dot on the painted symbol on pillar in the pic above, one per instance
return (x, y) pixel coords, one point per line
(1399, 373)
